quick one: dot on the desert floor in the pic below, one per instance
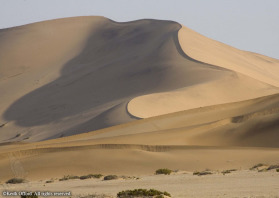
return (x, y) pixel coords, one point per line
(243, 183)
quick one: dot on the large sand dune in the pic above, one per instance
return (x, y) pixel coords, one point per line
(69, 76)
(204, 104)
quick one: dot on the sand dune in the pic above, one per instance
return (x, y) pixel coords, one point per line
(57, 81)
(73, 92)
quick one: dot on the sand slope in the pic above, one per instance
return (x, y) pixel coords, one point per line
(225, 136)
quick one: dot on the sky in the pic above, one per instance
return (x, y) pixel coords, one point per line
(251, 25)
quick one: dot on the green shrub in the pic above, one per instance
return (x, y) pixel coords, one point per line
(110, 177)
(91, 176)
(29, 196)
(277, 170)
(15, 181)
(164, 171)
(142, 193)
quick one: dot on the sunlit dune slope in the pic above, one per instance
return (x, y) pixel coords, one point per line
(257, 66)
(252, 74)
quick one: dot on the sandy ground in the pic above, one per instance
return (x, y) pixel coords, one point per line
(244, 183)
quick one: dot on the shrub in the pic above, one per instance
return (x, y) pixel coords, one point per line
(196, 173)
(277, 170)
(202, 173)
(257, 166)
(228, 171)
(15, 181)
(142, 193)
(29, 196)
(272, 167)
(164, 171)
(91, 176)
(110, 177)
(67, 177)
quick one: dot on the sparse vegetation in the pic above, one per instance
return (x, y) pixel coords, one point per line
(257, 166)
(277, 170)
(29, 196)
(142, 193)
(228, 171)
(271, 167)
(163, 171)
(91, 176)
(202, 173)
(264, 167)
(49, 181)
(68, 177)
(15, 181)
(110, 177)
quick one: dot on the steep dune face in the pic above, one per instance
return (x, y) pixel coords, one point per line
(259, 67)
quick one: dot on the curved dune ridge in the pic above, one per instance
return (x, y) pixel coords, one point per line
(83, 83)
(254, 75)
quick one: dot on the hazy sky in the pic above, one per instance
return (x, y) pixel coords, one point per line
(251, 25)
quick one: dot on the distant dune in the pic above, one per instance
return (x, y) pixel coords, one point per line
(133, 97)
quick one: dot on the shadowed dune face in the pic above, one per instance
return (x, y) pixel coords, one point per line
(118, 62)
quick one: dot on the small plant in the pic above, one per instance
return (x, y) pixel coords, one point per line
(202, 173)
(196, 173)
(257, 166)
(142, 193)
(15, 181)
(228, 171)
(164, 171)
(29, 196)
(273, 167)
(49, 181)
(91, 176)
(110, 177)
(67, 177)
(277, 170)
